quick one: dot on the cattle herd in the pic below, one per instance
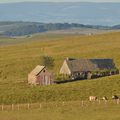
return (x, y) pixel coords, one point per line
(94, 98)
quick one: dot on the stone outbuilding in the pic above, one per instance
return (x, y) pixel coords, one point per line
(84, 68)
(40, 76)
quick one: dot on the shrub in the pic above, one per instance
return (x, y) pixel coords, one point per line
(47, 61)
(62, 78)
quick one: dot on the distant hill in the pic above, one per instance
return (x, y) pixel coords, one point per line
(28, 28)
(75, 12)
(116, 27)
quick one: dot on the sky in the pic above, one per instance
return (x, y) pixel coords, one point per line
(10, 1)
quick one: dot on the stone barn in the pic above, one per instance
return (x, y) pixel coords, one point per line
(85, 68)
(40, 76)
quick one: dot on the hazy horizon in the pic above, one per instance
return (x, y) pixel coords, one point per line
(82, 13)
(14, 1)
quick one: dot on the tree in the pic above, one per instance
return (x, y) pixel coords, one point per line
(48, 61)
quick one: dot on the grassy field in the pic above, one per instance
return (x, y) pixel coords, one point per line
(30, 38)
(17, 60)
(19, 56)
(73, 110)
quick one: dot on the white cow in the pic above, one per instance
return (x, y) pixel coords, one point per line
(92, 98)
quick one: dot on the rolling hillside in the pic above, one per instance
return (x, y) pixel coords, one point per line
(16, 61)
(12, 29)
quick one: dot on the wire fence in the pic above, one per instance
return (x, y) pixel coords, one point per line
(29, 106)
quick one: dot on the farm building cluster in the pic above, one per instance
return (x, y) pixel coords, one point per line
(76, 69)
(88, 68)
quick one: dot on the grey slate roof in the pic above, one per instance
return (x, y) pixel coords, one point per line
(90, 64)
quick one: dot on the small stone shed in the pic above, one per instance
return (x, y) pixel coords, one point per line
(40, 76)
(79, 68)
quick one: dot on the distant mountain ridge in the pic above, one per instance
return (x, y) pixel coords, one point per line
(28, 28)
(59, 12)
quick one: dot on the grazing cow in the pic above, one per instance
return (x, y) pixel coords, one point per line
(115, 97)
(104, 98)
(92, 98)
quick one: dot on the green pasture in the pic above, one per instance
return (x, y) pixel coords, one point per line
(73, 110)
(17, 60)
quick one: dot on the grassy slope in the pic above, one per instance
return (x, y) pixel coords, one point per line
(16, 61)
(70, 111)
(35, 37)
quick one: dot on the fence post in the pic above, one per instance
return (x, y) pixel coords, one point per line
(63, 103)
(12, 106)
(40, 105)
(28, 106)
(2, 107)
(82, 103)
